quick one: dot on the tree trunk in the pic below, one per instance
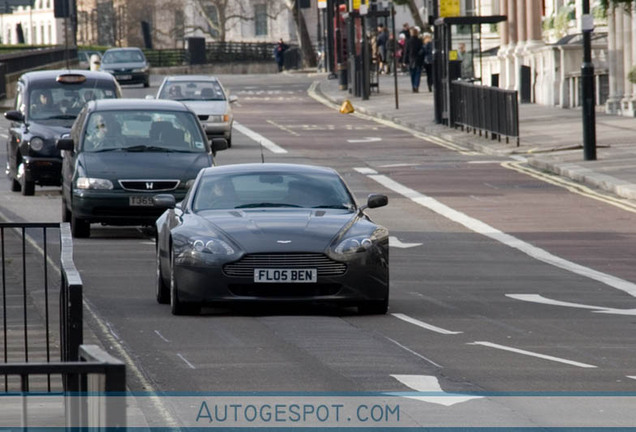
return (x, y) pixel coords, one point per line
(307, 49)
(415, 13)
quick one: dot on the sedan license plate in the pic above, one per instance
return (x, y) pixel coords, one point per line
(285, 275)
(141, 201)
(124, 77)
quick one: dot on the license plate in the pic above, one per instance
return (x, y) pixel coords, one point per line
(285, 275)
(141, 200)
(124, 77)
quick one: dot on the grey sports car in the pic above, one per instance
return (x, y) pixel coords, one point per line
(271, 232)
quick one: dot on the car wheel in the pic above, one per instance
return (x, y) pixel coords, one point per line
(15, 185)
(229, 142)
(146, 83)
(163, 291)
(80, 228)
(66, 213)
(375, 307)
(177, 306)
(28, 188)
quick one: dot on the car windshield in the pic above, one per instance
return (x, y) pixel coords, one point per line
(272, 190)
(55, 101)
(123, 56)
(143, 131)
(192, 91)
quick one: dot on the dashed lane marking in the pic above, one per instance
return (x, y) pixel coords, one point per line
(532, 354)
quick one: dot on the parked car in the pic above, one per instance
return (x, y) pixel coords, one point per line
(46, 104)
(121, 153)
(128, 65)
(271, 232)
(206, 96)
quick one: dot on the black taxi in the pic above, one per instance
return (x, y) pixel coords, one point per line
(46, 105)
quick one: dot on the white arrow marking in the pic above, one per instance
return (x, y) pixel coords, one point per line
(532, 354)
(395, 242)
(536, 298)
(363, 140)
(430, 384)
(424, 325)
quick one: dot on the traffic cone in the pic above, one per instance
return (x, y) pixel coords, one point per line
(346, 107)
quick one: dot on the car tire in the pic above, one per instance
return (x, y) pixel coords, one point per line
(375, 307)
(146, 83)
(229, 142)
(15, 185)
(80, 228)
(163, 291)
(177, 307)
(28, 188)
(66, 213)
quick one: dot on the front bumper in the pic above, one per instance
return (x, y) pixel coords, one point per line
(43, 171)
(131, 77)
(364, 280)
(216, 130)
(112, 207)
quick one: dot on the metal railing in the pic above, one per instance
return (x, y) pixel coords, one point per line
(484, 109)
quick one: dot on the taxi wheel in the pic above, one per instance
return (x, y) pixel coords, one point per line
(15, 186)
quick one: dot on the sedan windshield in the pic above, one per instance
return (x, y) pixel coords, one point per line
(143, 131)
(192, 91)
(63, 101)
(272, 190)
(123, 56)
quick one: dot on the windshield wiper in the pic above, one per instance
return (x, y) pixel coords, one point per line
(266, 204)
(332, 206)
(109, 149)
(61, 117)
(143, 148)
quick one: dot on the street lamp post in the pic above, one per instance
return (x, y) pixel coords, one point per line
(587, 86)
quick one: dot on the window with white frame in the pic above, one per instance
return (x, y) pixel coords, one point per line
(260, 19)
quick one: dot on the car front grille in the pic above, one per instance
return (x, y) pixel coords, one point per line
(285, 290)
(246, 265)
(149, 185)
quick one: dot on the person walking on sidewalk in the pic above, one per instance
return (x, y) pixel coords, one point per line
(414, 58)
(381, 41)
(427, 49)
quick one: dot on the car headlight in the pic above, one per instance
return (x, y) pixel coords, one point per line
(140, 70)
(212, 246)
(352, 245)
(36, 144)
(93, 183)
(189, 183)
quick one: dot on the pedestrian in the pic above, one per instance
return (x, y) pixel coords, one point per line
(414, 58)
(391, 52)
(466, 58)
(279, 54)
(427, 52)
(406, 30)
(381, 41)
(401, 53)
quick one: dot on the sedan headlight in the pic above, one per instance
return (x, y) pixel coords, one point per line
(212, 246)
(93, 183)
(204, 251)
(140, 70)
(36, 143)
(352, 245)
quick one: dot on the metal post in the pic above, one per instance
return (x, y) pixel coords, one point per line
(587, 86)
(366, 59)
(395, 65)
(330, 46)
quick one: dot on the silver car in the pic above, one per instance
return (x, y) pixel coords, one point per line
(206, 97)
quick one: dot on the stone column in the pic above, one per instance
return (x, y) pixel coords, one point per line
(612, 104)
(521, 41)
(620, 53)
(533, 17)
(511, 24)
(627, 59)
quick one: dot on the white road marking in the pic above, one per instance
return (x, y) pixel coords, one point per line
(286, 129)
(395, 242)
(532, 354)
(269, 145)
(161, 336)
(365, 140)
(415, 353)
(399, 165)
(495, 234)
(631, 377)
(477, 162)
(424, 325)
(430, 384)
(190, 365)
(366, 171)
(536, 298)
(112, 331)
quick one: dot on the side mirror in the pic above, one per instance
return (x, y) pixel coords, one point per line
(65, 144)
(218, 144)
(14, 115)
(377, 200)
(165, 201)
(233, 98)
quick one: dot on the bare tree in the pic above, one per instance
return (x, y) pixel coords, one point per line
(222, 15)
(415, 13)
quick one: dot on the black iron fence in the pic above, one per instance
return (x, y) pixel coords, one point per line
(484, 109)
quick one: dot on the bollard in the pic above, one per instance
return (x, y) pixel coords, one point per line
(342, 76)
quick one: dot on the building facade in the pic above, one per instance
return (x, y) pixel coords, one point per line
(35, 25)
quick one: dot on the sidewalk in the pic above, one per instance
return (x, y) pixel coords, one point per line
(550, 137)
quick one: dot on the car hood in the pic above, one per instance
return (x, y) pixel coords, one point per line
(258, 231)
(51, 129)
(207, 107)
(144, 165)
